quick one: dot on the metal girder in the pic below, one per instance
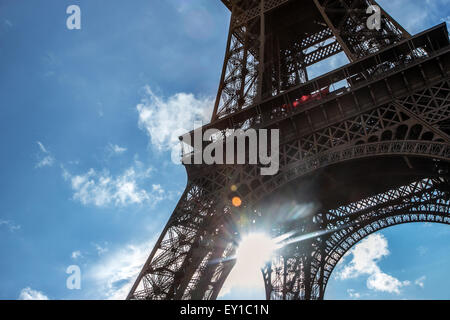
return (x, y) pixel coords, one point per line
(392, 115)
(330, 145)
(426, 200)
(255, 12)
(344, 20)
(322, 53)
(386, 75)
(227, 3)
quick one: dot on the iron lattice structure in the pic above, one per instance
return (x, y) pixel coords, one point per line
(370, 154)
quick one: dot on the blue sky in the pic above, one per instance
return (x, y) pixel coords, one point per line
(86, 118)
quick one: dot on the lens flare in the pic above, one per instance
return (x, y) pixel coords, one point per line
(236, 201)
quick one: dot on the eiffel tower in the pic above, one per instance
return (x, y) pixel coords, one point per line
(362, 148)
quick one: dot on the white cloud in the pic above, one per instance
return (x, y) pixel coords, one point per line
(102, 188)
(416, 16)
(420, 282)
(101, 249)
(116, 272)
(353, 294)
(366, 256)
(380, 281)
(76, 254)
(30, 294)
(45, 158)
(115, 149)
(165, 120)
(10, 225)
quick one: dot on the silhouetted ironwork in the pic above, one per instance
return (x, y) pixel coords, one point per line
(363, 147)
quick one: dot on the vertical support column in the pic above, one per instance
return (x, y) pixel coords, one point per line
(262, 42)
(244, 70)
(224, 67)
(284, 278)
(322, 270)
(277, 63)
(228, 266)
(268, 280)
(198, 293)
(322, 249)
(307, 270)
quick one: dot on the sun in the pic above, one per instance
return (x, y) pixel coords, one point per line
(255, 250)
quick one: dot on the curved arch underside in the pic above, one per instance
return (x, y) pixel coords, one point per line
(302, 269)
(295, 275)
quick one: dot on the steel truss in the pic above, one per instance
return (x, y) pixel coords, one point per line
(393, 115)
(261, 61)
(297, 273)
